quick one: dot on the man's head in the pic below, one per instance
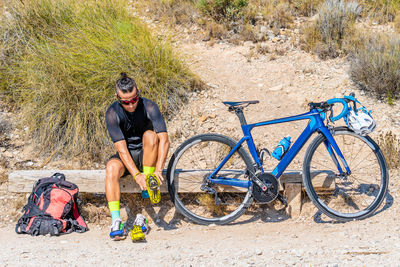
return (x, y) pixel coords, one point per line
(127, 92)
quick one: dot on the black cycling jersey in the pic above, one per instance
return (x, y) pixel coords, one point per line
(130, 126)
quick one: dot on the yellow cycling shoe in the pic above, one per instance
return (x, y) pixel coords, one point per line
(153, 188)
(137, 234)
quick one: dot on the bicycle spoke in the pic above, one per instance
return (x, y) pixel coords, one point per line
(203, 157)
(356, 195)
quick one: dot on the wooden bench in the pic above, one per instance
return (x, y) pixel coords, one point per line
(92, 181)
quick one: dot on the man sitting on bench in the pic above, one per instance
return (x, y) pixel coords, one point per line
(139, 134)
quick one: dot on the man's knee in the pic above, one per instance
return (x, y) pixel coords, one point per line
(150, 138)
(114, 169)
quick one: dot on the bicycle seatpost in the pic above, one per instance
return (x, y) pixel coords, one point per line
(239, 113)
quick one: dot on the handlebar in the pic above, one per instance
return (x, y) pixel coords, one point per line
(344, 110)
(327, 105)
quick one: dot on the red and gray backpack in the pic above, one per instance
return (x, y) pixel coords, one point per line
(52, 208)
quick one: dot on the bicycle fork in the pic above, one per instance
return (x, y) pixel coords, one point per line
(333, 150)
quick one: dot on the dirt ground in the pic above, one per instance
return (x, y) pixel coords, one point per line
(283, 82)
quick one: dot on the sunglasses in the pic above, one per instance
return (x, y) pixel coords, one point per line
(127, 102)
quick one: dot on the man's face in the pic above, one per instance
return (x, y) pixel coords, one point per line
(128, 101)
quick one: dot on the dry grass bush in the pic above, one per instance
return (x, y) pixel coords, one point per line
(390, 145)
(334, 24)
(93, 208)
(375, 64)
(396, 22)
(180, 12)
(382, 11)
(305, 7)
(278, 14)
(61, 61)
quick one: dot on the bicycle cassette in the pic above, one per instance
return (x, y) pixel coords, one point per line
(272, 191)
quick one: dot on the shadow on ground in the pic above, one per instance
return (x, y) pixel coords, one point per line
(319, 217)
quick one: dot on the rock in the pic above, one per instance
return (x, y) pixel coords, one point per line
(203, 118)
(213, 85)
(276, 88)
(263, 30)
(248, 44)
(258, 252)
(276, 39)
(29, 163)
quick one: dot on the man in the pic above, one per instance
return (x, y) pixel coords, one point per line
(140, 137)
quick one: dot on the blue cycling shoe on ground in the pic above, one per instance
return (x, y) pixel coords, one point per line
(117, 231)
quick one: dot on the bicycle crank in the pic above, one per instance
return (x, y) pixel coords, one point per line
(266, 188)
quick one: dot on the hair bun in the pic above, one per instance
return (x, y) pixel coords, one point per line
(124, 75)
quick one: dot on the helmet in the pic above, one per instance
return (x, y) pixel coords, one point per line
(361, 122)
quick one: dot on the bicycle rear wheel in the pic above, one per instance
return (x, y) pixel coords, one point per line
(354, 196)
(188, 170)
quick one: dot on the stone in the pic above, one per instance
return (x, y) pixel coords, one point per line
(276, 39)
(203, 118)
(263, 30)
(248, 44)
(29, 163)
(276, 88)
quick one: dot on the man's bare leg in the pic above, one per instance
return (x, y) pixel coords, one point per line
(150, 149)
(114, 170)
(150, 154)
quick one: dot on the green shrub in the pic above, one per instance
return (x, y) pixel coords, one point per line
(334, 23)
(375, 65)
(61, 61)
(223, 9)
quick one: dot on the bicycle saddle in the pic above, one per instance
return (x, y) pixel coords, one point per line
(241, 103)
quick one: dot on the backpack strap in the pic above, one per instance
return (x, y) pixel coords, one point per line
(80, 222)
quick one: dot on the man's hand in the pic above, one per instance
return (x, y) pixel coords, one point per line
(141, 181)
(159, 176)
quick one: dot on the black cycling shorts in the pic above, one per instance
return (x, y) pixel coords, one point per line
(137, 156)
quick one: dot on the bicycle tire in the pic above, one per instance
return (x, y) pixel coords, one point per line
(362, 191)
(198, 207)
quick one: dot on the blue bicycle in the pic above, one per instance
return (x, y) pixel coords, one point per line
(213, 179)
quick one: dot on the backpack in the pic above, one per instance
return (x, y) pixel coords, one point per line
(52, 208)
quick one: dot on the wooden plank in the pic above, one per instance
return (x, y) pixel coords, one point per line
(293, 193)
(87, 180)
(93, 180)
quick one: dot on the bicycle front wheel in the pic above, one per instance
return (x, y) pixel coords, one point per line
(190, 190)
(348, 197)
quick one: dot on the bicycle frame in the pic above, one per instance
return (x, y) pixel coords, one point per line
(316, 124)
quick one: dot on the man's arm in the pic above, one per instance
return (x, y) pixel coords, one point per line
(126, 158)
(163, 147)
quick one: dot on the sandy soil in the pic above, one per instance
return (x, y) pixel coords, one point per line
(263, 236)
